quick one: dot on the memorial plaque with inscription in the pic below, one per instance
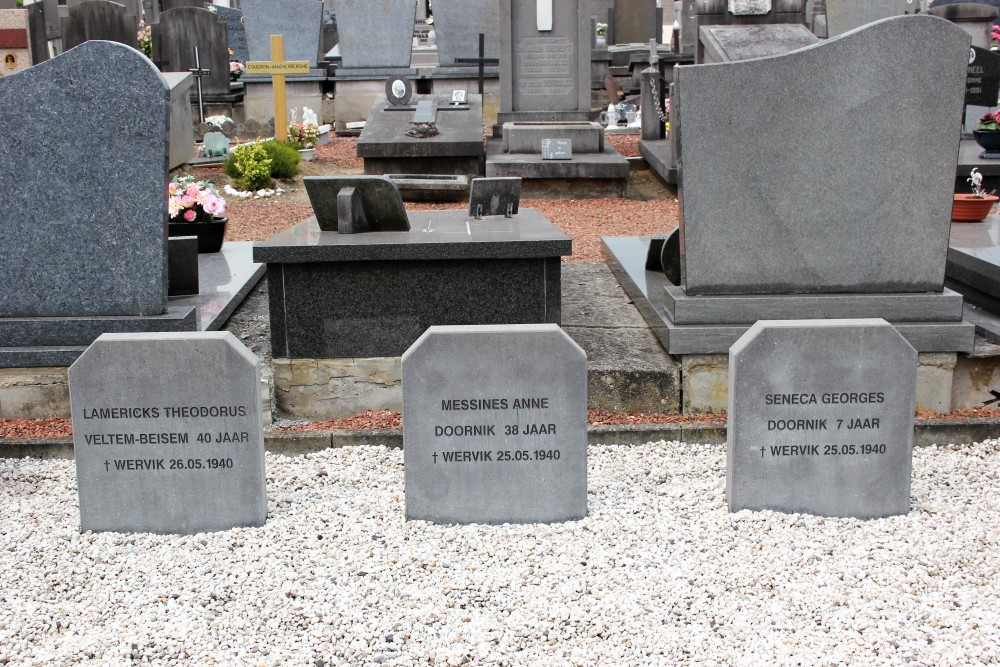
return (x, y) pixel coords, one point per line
(557, 149)
(983, 81)
(495, 425)
(167, 433)
(821, 418)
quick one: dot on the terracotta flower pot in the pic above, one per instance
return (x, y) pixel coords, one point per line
(966, 208)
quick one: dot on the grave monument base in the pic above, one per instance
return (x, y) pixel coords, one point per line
(300, 91)
(357, 90)
(586, 175)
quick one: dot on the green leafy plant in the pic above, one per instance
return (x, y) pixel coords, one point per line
(284, 159)
(250, 167)
(991, 121)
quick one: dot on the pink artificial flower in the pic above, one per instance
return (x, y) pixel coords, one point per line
(190, 215)
(193, 190)
(187, 201)
(173, 189)
(214, 205)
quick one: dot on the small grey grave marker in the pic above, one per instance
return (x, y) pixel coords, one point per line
(495, 425)
(167, 433)
(557, 149)
(821, 418)
(499, 195)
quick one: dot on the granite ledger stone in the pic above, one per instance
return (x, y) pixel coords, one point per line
(86, 243)
(747, 211)
(175, 448)
(495, 425)
(821, 418)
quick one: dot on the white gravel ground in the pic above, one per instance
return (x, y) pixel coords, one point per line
(658, 574)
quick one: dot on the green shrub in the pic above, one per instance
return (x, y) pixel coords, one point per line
(249, 166)
(284, 159)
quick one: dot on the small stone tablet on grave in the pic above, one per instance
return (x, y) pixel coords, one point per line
(557, 149)
(821, 418)
(495, 425)
(167, 433)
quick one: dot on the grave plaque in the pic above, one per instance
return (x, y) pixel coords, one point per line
(495, 425)
(983, 82)
(557, 149)
(821, 418)
(167, 433)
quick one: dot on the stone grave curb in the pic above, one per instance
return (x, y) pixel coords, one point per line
(293, 443)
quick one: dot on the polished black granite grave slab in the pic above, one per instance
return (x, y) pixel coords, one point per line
(973, 269)
(372, 295)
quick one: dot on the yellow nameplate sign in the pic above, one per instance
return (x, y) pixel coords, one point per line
(290, 67)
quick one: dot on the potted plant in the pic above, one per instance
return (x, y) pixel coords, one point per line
(987, 132)
(305, 133)
(236, 70)
(196, 209)
(976, 206)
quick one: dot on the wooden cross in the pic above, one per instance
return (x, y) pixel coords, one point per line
(482, 60)
(198, 72)
(278, 67)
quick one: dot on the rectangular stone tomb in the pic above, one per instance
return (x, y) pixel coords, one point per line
(495, 425)
(373, 294)
(175, 448)
(528, 137)
(821, 418)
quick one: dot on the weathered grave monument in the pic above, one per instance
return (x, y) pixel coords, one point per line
(99, 20)
(821, 418)
(862, 244)
(459, 24)
(845, 15)
(495, 425)
(341, 302)
(177, 448)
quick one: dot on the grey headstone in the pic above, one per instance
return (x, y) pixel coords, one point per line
(547, 71)
(375, 34)
(178, 4)
(495, 196)
(300, 21)
(495, 425)
(458, 24)
(844, 15)
(331, 36)
(53, 26)
(557, 149)
(175, 448)
(635, 21)
(89, 245)
(179, 32)
(821, 418)
(983, 82)
(236, 34)
(38, 42)
(99, 20)
(380, 201)
(860, 228)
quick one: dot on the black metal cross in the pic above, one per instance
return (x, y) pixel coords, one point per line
(198, 72)
(482, 60)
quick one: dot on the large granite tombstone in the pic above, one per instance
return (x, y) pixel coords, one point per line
(821, 418)
(458, 24)
(99, 20)
(236, 35)
(743, 13)
(375, 34)
(544, 62)
(91, 254)
(634, 21)
(495, 425)
(175, 448)
(863, 242)
(167, 5)
(845, 15)
(182, 30)
(15, 46)
(300, 21)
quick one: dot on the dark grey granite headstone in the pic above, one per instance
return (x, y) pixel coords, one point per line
(167, 5)
(983, 82)
(377, 196)
(300, 21)
(236, 34)
(99, 20)
(86, 244)
(495, 196)
(53, 26)
(778, 186)
(634, 21)
(821, 418)
(844, 15)
(458, 24)
(495, 425)
(375, 34)
(179, 32)
(167, 433)
(38, 42)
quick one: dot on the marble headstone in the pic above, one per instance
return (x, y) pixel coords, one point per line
(89, 245)
(375, 33)
(175, 448)
(821, 418)
(458, 24)
(844, 15)
(236, 34)
(495, 425)
(99, 20)
(300, 21)
(823, 214)
(180, 31)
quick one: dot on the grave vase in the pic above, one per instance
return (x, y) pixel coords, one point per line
(966, 208)
(988, 139)
(210, 234)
